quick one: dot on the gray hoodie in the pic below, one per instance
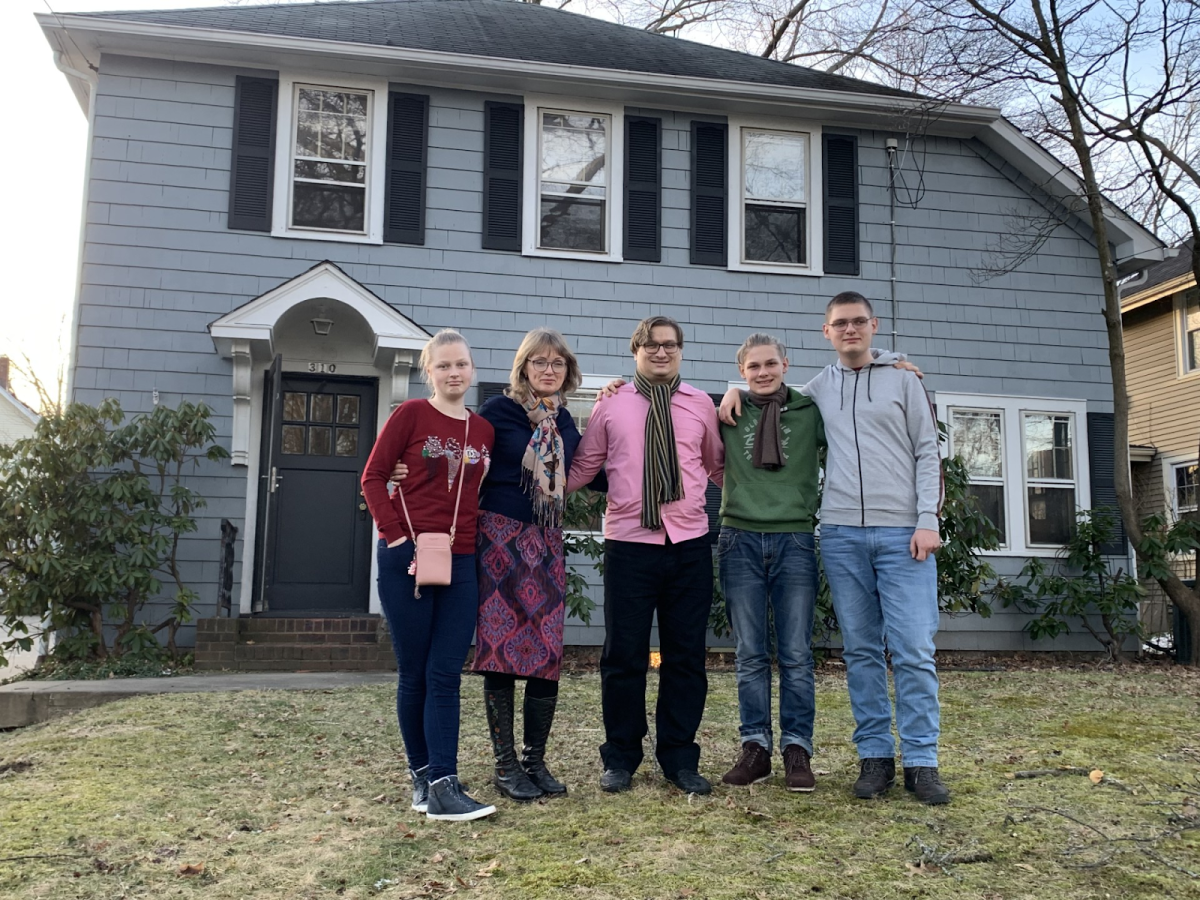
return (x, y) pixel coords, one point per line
(883, 467)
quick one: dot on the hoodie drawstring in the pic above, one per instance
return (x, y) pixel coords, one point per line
(869, 368)
(842, 372)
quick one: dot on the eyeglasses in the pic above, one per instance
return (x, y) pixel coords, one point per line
(669, 346)
(859, 323)
(541, 365)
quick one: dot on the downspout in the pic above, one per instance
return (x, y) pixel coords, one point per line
(92, 81)
(892, 146)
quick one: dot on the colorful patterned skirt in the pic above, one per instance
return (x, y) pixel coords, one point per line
(522, 591)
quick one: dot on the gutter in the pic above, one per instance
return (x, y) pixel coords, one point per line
(91, 79)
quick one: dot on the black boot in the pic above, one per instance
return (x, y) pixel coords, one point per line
(539, 716)
(510, 778)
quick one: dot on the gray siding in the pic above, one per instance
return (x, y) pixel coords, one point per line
(160, 264)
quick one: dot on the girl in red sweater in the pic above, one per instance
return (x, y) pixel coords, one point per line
(443, 444)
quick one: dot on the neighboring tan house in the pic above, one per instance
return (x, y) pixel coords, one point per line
(285, 200)
(1160, 312)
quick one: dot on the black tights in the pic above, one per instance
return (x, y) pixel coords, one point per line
(535, 688)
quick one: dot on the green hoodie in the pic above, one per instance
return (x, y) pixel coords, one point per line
(778, 501)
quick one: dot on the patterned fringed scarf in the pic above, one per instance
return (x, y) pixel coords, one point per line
(542, 473)
(662, 481)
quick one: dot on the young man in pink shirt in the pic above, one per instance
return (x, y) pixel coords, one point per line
(660, 441)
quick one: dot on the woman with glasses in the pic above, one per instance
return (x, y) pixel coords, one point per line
(519, 556)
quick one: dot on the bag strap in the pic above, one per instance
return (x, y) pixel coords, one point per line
(457, 500)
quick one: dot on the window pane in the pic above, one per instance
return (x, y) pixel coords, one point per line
(574, 148)
(775, 234)
(1048, 446)
(320, 441)
(582, 402)
(331, 124)
(1051, 515)
(337, 208)
(1191, 331)
(572, 224)
(324, 171)
(322, 408)
(990, 498)
(347, 409)
(293, 440)
(347, 442)
(976, 440)
(295, 406)
(774, 165)
(1187, 488)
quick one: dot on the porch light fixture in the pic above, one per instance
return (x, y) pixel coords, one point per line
(321, 324)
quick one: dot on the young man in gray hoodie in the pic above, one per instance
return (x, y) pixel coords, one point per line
(879, 532)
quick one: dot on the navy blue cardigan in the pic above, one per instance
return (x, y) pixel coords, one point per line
(502, 492)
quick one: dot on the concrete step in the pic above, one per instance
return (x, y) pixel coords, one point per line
(294, 644)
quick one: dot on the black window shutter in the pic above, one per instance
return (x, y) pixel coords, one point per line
(404, 194)
(709, 194)
(252, 170)
(490, 389)
(1101, 447)
(839, 165)
(643, 188)
(502, 125)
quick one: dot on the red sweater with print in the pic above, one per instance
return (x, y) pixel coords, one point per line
(430, 443)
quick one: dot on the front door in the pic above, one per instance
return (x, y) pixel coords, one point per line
(317, 546)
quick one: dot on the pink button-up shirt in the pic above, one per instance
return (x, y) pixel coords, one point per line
(616, 434)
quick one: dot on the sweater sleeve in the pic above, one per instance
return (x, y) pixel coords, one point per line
(388, 446)
(922, 430)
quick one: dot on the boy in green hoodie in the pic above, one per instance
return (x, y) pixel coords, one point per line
(767, 559)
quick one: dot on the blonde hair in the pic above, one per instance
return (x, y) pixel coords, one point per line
(443, 338)
(760, 339)
(546, 339)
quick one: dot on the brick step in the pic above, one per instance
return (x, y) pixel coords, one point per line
(360, 643)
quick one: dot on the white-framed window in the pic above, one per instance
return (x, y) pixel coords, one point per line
(1184, 487)
(573, 179)
(775, 217)
(1027, 461)
(1187, 315)
(329, 159)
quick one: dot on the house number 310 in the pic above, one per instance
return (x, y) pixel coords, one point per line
(329, 368)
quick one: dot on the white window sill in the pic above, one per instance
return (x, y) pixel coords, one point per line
(336, 236)
(572, 254)
(776, 269)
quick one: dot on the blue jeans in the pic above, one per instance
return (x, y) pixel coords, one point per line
(778, 571)
(430, 635)
(886, 601)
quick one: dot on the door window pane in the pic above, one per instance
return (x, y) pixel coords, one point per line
(320, 442)
(295, 407)
(347, 409)
(1048, 446)
(775, 234)
(293, 440)
(347, 442)
(322, 408)
(1051, 515)
(976, 440)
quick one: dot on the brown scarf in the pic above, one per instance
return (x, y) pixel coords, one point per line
(768, 437)
(542, 474)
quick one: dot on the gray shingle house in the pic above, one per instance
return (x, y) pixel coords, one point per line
(284, 201)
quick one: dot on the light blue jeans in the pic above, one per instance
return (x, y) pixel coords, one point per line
(886, 601)
(779, 572)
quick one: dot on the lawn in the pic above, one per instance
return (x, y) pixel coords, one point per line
(305, 795)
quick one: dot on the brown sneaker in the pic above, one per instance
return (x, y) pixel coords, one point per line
(798, 773)
(753, 766)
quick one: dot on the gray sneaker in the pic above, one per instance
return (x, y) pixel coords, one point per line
(420, 780)
(448, 803)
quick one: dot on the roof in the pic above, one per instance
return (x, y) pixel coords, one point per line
(19, 406)
(1163, 279)
(503, 29)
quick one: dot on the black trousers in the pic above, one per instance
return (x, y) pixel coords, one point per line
(675, 581)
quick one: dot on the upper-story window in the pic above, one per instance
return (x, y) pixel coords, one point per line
(572, 179)
(1189, 332)
(1186, 493)
(774, 211)
(329, 178)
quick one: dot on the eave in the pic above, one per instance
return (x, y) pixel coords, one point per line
(1158, 292)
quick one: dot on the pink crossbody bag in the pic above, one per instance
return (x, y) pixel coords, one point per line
(432, 557)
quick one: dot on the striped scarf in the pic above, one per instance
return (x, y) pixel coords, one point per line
(662, 481)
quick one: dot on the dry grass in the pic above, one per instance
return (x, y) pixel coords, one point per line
(286, 795)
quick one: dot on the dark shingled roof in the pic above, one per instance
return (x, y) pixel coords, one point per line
(1179, 264)
(504, 29)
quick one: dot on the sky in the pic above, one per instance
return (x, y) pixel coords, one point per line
(44, 246)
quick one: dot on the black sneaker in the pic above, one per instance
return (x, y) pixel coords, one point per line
(420, 780)
(448, 803)
(690, 782)
(876, 774)
(797, 769)
(614, 781)
(926, 784)
(753, 765)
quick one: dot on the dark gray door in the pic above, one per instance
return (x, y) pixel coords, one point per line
(318, 531)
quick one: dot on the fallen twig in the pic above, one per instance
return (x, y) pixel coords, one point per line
(1061, 770)
(4, 859)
